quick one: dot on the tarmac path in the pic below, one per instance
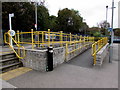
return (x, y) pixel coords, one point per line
(77, 73)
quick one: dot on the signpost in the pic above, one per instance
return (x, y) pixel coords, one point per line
(110, 29)
(12, 32)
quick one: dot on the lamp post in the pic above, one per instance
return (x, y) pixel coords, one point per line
(112, 34)
(106, 12)
(36, 15)
(106, 20)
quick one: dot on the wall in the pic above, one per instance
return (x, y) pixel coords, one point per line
(37, 59)
(58, 56)
(77, 52)
(102, 54)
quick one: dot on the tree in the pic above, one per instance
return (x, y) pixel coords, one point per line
(84, 29)
(23, 15)
(104, 26)
(43, 18)
(69, 20)
(53, 23)
(95, 31)
(117, 32)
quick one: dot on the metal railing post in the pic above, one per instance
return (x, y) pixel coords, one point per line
(76, 37)
(61, 38)
(18, 36)
(49, 37)
(94, 50)
(84, 39)
(38, 39)
(52, 40)
(66, 38)
(32, 38)
(42, 39)
(70, 38)
(66, 51)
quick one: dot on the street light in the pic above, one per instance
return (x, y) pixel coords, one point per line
(36, 15)
(112, 34)
(106, 20)
(106, 12)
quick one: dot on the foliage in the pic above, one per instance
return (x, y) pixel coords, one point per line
(104, 25)
(97, 34)
(23, 15)
(43, 18)
(117, 32)
(69, 20)
(84, 29)
(53, 23)
(94, 31)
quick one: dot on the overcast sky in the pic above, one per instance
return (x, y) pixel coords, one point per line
(93, 11)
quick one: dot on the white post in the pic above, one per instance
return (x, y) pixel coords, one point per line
(36, 15)
(10, 25)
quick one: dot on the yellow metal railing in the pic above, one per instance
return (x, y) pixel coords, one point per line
(7, 41)
(49, 38)
(43, 38)
(83, 42)
(97, 46)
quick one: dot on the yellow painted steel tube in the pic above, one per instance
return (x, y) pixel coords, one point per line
(17, 54)
(32, 38)
(18, 37)
(70, 38)
(49, 37)
(42, 39)
(61, 38)
(66, 52)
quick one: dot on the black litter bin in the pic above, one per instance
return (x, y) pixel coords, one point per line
(50, 59)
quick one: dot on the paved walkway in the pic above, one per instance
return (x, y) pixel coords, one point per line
(74, 74)
(4, 84)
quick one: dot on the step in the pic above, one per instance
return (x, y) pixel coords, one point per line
(8, 55)
(10, 67)
(5, 60)
(9, 61)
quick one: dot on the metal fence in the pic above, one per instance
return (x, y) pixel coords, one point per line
(97, 46)
(48, 38)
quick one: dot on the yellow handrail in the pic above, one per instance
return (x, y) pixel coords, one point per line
(18, 55)
(97, 46)
(49, 38)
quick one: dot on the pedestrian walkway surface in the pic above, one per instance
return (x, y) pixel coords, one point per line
(74, 74)
(4, 84)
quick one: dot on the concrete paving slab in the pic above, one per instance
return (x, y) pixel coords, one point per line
(5, 84)
(115, 51)
(70, 75)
